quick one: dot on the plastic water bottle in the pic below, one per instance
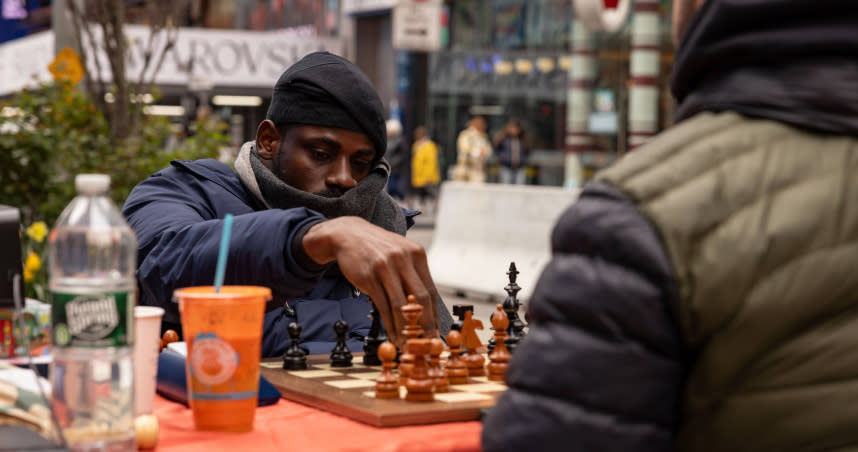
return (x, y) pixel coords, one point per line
(93, 256)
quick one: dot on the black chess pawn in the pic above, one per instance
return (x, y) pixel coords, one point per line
(295, 358)
(376, 337)
(515, 330)
(341, 356)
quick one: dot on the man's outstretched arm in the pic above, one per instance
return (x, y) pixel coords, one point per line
(601, 368)
(380, 263)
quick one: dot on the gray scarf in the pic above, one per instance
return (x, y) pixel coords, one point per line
(367, 200)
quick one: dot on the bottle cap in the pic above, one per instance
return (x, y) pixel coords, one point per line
(92, 184)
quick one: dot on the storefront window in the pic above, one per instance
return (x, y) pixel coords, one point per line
(512, 59)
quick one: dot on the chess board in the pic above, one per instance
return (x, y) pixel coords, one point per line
(350, 392)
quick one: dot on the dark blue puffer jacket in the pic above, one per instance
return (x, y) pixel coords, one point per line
(177, 215)
(601, 369)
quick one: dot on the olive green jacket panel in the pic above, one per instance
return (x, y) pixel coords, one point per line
(760, 221)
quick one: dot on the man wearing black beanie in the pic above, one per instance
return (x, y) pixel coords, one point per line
(312, 219)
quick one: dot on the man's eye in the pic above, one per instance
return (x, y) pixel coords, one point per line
(320, 155)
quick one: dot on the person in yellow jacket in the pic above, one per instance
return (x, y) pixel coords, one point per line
(424, 167)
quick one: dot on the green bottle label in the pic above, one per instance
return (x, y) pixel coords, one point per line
(92, 319)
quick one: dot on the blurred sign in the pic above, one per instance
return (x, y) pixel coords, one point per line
(222, 57)
(602, 15)
(364, 6)
(14, 9)
(227, 57)
(67, 66)
(199, 83)
(24, 61)
(602, 123)
(417, 25)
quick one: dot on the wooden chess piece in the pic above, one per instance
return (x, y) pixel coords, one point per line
(168, 338)
(412, 311)
(436, 372)
(499, 358)
(419, 385)
(457, 372)
(387, 384)
(341, 356)
(294, 358)
(474, 359)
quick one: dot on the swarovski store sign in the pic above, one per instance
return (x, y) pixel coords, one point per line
(226, 58)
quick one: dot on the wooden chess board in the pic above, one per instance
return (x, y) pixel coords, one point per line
(350, 392)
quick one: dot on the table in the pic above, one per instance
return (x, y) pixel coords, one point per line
(292, 426)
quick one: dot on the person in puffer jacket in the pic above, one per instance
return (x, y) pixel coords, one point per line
(703, 291)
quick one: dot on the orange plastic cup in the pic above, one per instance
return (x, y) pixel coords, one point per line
(223, 332)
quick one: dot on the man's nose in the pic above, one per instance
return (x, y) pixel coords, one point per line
(340, 174)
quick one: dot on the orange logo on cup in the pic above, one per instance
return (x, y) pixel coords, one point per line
(213, 361)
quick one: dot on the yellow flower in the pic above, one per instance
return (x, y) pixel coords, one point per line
(28, 276)
(37, 231)
(33, 263)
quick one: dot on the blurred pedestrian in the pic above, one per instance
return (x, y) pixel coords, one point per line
(399, 159)
(425, 174)
(512, 150)
(703, 290)
(474, 149)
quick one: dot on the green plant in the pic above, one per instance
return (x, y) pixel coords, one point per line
(46, 136)
(51, 133)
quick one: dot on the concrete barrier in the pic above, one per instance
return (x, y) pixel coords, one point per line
(480, 228)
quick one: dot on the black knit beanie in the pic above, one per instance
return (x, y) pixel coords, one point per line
(323, 89)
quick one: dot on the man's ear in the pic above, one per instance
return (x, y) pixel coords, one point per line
(267, 140)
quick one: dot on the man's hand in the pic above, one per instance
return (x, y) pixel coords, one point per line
(380, 263)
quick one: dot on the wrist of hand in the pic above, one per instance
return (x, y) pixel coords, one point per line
(318, 242)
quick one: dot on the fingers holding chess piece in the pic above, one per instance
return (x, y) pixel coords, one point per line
(387, 384)
(499, 357)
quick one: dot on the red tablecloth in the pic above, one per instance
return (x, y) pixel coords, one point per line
(292, 426)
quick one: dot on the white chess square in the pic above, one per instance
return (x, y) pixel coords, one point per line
(454, 397)
(484, 387)
(314, 373)
(353, 383)
(365, 375)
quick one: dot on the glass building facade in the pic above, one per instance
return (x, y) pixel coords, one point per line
(517, 59)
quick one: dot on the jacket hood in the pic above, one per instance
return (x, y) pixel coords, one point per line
(794, 61)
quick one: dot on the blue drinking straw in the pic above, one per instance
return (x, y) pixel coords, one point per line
(223, 252)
